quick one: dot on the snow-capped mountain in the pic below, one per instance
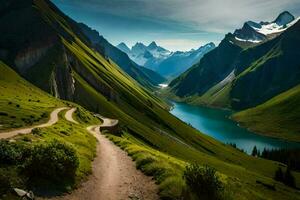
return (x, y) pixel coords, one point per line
(163, 61)
(145, 55)
(258, 32)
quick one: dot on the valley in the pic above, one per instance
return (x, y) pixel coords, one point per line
(83, 118)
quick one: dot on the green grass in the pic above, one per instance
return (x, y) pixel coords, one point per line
(21, 103)
(101, 86)
(16, 90)
(279, 117)
(168, 170)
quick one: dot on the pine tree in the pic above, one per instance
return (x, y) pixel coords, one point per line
(254, 151)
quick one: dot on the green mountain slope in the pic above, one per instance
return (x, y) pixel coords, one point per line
(144, 76)
(53, 54)
(262, 72)
(23, 105)
(279, 117)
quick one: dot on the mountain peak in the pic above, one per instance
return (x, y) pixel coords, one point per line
(123, 47)
(139, 44)
(284, 18)
(152, 45)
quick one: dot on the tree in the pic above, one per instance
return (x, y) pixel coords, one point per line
(254, 151)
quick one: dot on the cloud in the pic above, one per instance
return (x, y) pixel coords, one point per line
(204, 15)
(184, 23)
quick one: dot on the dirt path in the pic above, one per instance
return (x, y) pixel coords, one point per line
(53, 119)
(69, 115)
(115, 176)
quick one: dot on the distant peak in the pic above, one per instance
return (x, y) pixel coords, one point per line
(123, 44)
(152, 45)
(139, 44)
(284, 18)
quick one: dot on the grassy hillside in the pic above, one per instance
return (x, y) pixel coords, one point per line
(21, 103)
(279, 117)
(99, 85)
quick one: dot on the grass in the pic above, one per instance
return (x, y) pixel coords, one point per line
(21, 103)
(168, 171)
(101, 86)
(16, 91)
(279, 117)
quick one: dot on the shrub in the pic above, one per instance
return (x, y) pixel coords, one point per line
(53, 161)
(287, 178)
(9, 153)
(203, 182)
(279, 175)
(36, 131)
(4, 184)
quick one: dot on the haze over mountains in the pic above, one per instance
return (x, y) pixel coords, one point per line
(166, 63)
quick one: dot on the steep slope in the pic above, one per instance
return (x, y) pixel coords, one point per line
(261, 72)
(21, 103)
(100, 85)
(211, 69)
(23, 106)
(147, 78)
(279, 117)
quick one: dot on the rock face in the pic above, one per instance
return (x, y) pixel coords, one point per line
(260, 32)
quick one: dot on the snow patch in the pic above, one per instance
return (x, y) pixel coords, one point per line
(272, 28)
(243, 40)
(163, 85)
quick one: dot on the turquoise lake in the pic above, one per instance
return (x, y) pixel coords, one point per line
(216, 123)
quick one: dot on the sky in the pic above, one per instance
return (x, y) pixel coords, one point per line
(173, 24)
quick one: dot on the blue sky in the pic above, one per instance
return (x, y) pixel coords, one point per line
(173, 24)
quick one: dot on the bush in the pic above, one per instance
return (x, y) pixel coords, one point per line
(203, 182)
(53, 161)
(287, 178)
(4, 184)
(36, 131)
(9, 153)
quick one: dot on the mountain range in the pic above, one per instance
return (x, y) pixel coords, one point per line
(168, 64)
(144, 76)
(242, 74)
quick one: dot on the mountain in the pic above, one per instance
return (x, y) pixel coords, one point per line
(147, 78)
(278, 117)
(123, 47)
(178, 62)
(48, 49)
(260, 72)
(259, 32)
(167, 64)
(147, 56)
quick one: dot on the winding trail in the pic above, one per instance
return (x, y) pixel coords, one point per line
(53, 119)
(115, 176)
(69, 115)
